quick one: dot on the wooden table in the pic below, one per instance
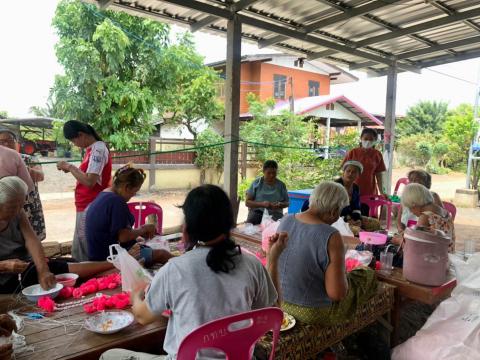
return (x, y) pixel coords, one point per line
(408, 291)
(430, 295)
(56, 341)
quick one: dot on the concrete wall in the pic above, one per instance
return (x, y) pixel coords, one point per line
(183, 177)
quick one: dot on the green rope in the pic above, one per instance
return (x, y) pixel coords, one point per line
(195, 148)
(149, 153)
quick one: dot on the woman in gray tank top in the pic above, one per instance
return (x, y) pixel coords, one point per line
(22, 260)
(313, 280)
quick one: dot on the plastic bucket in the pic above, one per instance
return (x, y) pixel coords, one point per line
(425, 257)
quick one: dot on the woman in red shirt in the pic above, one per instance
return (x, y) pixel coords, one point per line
(93, 176)
(372, 161)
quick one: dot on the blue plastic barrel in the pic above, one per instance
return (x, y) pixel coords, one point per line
(297, 198)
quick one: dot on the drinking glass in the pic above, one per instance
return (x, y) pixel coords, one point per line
(469, 247)
(386, 260)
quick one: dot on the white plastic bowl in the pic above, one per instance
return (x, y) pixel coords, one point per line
(67, 279)
(35, 292)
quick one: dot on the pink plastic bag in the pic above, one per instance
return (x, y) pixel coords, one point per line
(270, 230)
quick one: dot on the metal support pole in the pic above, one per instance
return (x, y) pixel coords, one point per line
(327, 140)
(389, 125)
(359, 126)
(232, 110)
(475, 118)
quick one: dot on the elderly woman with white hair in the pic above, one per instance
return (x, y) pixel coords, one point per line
(315, 286)
(22, 260)
(420, 201)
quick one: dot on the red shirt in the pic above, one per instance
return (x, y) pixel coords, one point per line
(97, 160)
(372, 161)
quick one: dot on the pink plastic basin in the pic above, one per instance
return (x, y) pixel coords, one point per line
(372, 238)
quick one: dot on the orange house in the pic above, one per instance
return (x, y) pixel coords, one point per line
(283, 77)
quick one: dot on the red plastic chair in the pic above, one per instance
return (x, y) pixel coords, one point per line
(400, 181)
(450, 208)
(140, 210)
(235, 335)
(375, 202)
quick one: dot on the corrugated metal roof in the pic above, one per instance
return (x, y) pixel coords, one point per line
(365, 34)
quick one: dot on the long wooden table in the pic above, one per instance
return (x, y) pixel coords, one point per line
(54, 341)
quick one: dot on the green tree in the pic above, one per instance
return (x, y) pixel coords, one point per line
(460, 127)
(192, 101)
(208, 156)
(3, 114)
(121, 69)
(284, 138)
(424, 117)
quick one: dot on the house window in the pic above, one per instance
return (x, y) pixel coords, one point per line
(279, 85)
(313, 88)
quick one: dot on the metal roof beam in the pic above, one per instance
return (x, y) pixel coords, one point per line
(450, 45)
(347, 14)
(450, 11)
(241, 4)
(238, 6)
(402, 66)
(408, 31)
(374, 20)
(441, 60)
(428, 25)
(210, 19)
(425, 51)
(295, 34)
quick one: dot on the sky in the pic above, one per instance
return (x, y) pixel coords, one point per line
(28, 66)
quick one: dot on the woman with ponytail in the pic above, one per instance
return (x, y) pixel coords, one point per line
(213, 279)
(93, 175)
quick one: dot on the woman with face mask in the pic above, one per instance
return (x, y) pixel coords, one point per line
(372, 161)
(314, 285)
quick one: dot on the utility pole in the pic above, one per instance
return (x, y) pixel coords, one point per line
(476, 119)
(292, 98)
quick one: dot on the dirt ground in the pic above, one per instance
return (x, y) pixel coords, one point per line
(57, 198)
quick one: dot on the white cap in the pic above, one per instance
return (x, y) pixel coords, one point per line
(358, 164)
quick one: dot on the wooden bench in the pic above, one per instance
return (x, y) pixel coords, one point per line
(307, 341)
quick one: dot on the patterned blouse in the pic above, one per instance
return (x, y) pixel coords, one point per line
(33, 204)
(443, 223)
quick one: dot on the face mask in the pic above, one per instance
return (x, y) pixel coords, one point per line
(367, 144)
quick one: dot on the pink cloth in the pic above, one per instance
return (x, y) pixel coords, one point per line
(11, 164)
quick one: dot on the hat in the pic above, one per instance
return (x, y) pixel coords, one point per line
(358, 164)
(7, 130)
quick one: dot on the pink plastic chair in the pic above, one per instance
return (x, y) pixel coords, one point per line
(400, 181)
(375, 202)
(235, 335)
(450, 208)
(140, 210)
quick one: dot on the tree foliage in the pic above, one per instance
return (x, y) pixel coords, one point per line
(192, 100)
(3, 114)
(208, 156)
(121, 70)
(424, 117)
(447, 148)
(284, 138)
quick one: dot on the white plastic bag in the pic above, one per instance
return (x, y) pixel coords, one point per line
(453, 330)
(342, 227)
(158, 243)
(270, 230)
(266, 219)
(132, 272)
